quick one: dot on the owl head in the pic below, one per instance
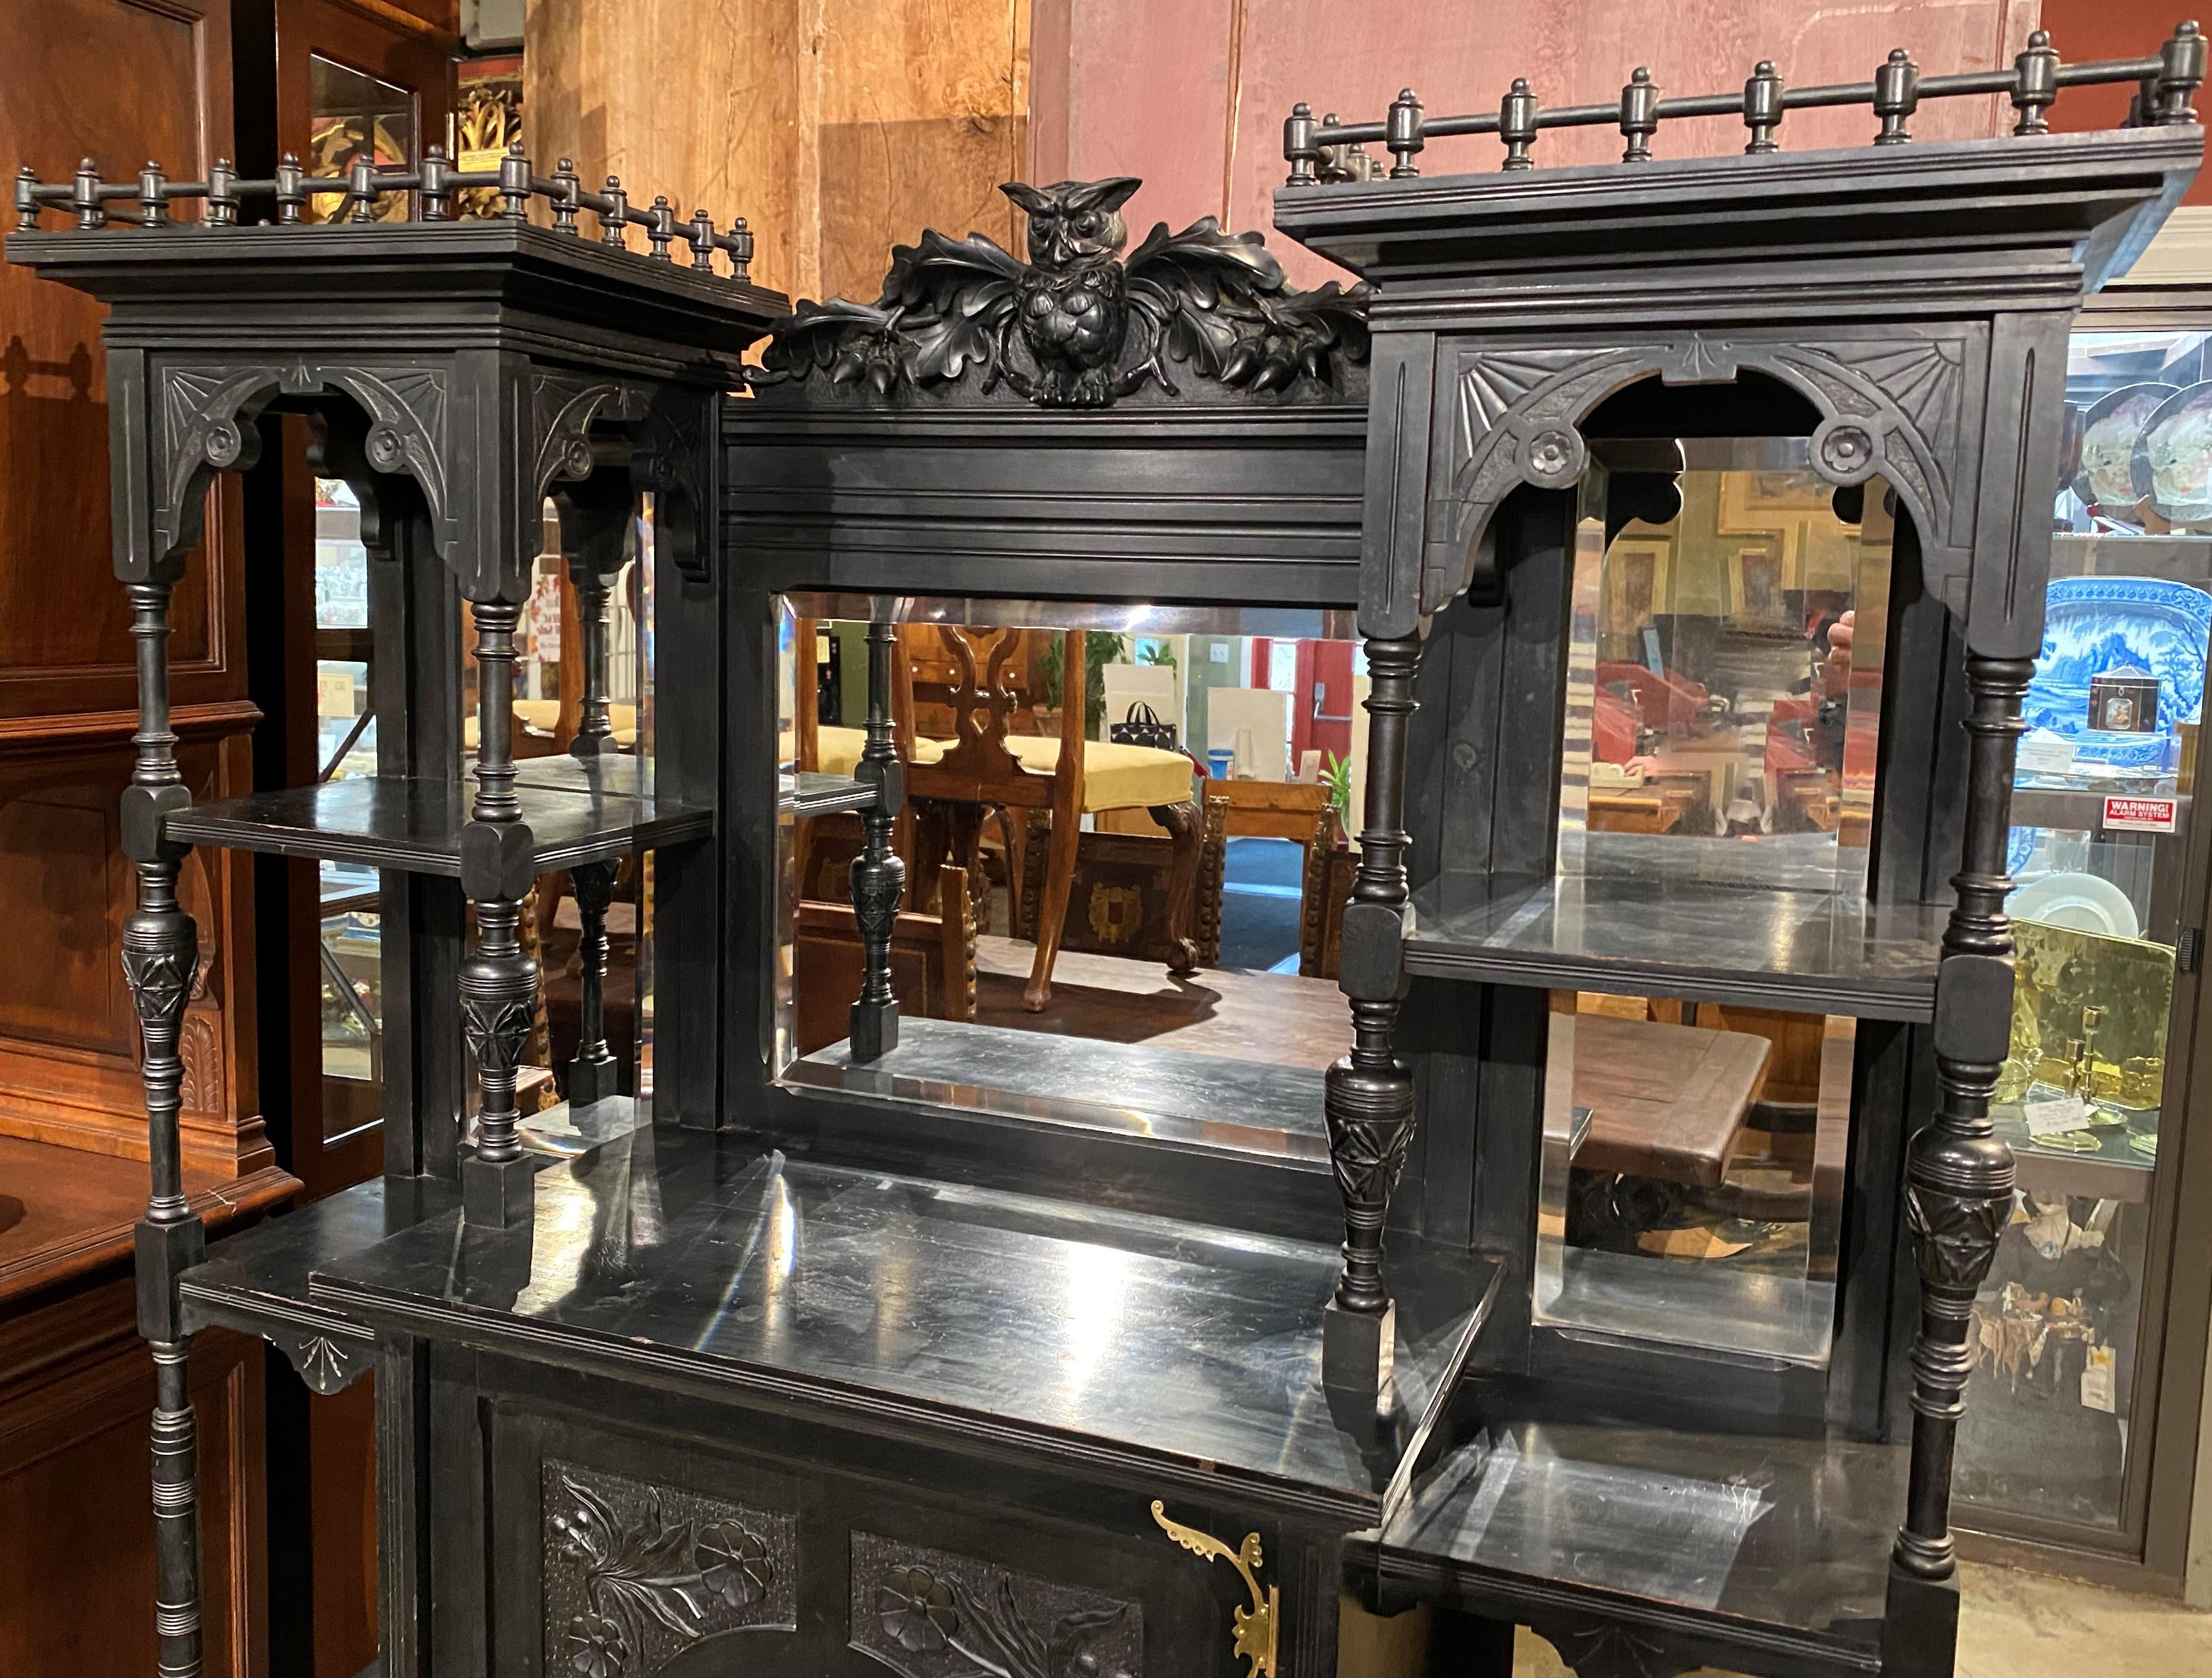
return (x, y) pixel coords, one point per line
(1075, 223)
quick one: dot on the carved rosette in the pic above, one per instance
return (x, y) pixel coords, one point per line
(635, 1574)
(936, 1613)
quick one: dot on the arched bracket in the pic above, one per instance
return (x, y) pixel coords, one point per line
(202, 420)
(673, 460)
(1896, 403)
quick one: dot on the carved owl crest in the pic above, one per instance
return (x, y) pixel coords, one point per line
(1076, 325)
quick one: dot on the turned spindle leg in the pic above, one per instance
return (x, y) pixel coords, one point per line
(1369, 1100)
(595, 733)
(1958, 1175)
(879, 876)
(495, 799)
(498, 979)
(594, 1074)
(160, 961)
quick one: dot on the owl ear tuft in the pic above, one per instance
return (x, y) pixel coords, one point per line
(1034, 202)
(1108, 194)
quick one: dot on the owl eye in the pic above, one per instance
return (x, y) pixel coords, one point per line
(1087, 222)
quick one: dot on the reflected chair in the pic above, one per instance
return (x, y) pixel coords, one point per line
(986, 767)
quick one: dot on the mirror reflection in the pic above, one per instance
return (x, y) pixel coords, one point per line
(1724, 682)
(1125, 829)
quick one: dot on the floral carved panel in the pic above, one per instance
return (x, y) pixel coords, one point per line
(634, 1574)
(935, 1613)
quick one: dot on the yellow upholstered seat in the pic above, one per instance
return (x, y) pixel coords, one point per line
(839, 749)
(543, 715)
(1115, 777)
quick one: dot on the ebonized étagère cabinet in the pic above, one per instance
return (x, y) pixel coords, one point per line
(817, 1362)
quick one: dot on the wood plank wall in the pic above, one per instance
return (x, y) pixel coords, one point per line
(836, 127)
(1191, 94)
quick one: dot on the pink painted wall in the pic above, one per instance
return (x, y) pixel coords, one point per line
(1191, 94)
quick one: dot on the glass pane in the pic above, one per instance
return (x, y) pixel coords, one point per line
(2101, 806)
(351, 978)
(351, 975)
(352, 115)
(1724, 678)
(1693, 1173)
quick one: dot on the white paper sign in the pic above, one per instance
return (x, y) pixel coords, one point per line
(2054, 1115)
(2099, 1388)
(2044, 752)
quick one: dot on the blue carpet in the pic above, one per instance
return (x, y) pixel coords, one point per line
(1260, 898)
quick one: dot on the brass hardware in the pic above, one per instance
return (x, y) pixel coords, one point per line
(1257, 1627)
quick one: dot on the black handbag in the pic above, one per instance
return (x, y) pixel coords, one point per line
(1142, 727)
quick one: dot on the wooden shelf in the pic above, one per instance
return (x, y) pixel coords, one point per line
(574, 815)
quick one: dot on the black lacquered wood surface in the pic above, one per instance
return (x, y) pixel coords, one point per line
(1100, 1335)
(415, 825)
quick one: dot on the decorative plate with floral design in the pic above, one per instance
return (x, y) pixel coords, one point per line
(2093, 624)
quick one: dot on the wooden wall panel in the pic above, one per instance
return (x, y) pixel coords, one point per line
(76, 1524)
(836, 127)
(923, 112)
(120, 80)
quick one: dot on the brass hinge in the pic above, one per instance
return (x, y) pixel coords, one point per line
(1255, 1627)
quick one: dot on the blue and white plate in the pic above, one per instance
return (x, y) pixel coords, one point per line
(2093, 624)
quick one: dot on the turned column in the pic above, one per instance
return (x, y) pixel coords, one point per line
(594, 1074)
(1369, 1103)
(160, 961)
(594, 596)
(498, 979)
(879, 876)
(1957, 1176)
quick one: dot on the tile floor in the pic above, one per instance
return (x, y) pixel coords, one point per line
(2015, 1625)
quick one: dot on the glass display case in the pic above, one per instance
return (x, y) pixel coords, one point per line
(2062, 1401)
